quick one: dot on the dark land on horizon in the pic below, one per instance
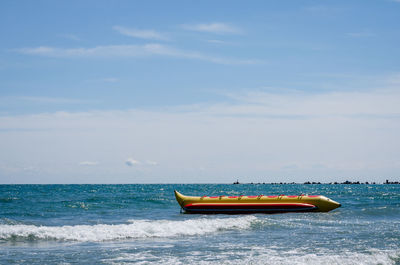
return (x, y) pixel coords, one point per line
(331, 183)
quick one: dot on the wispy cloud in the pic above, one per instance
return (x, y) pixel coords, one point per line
(53, 100)
(216, 41)
(347, 132)
(98, 51)
(88, 163)
(140, 33)
(127, 51)
(218, 28)
(42, 100)
(297, 104)
(132, 162)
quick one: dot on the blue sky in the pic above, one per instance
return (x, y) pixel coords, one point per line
(206, 91)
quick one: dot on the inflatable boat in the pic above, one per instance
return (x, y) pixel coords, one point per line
(255, 204)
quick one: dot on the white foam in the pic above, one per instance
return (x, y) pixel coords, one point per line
(262, 256)
(136, 229)
(325, 259)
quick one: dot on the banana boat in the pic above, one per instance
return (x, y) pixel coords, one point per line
(255, 204)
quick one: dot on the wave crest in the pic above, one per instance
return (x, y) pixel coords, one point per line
(136, 229)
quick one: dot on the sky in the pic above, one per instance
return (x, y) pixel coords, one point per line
(199, 91)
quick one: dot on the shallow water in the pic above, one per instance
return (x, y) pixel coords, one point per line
(142, 224)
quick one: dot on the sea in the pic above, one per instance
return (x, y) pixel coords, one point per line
(143, 224)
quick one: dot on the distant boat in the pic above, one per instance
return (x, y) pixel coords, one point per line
(255, 204)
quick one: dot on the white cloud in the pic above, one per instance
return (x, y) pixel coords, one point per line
(88, 163)
(338, 134)
(128, 51)
(51, 100)
(216, 41)
(132, 162)
(142, 34)
(98, 51)
(20, 100)
(216, 27)
(302, 105)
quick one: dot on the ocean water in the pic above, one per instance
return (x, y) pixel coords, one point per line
(142, 224)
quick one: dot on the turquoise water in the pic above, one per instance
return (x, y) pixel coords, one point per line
(142, 224)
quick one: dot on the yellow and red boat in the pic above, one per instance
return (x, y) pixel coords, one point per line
(255, 204)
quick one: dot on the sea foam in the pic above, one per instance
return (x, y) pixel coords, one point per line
(263, 256)
(135, 229)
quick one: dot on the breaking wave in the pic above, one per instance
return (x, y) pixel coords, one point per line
(135, 229)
